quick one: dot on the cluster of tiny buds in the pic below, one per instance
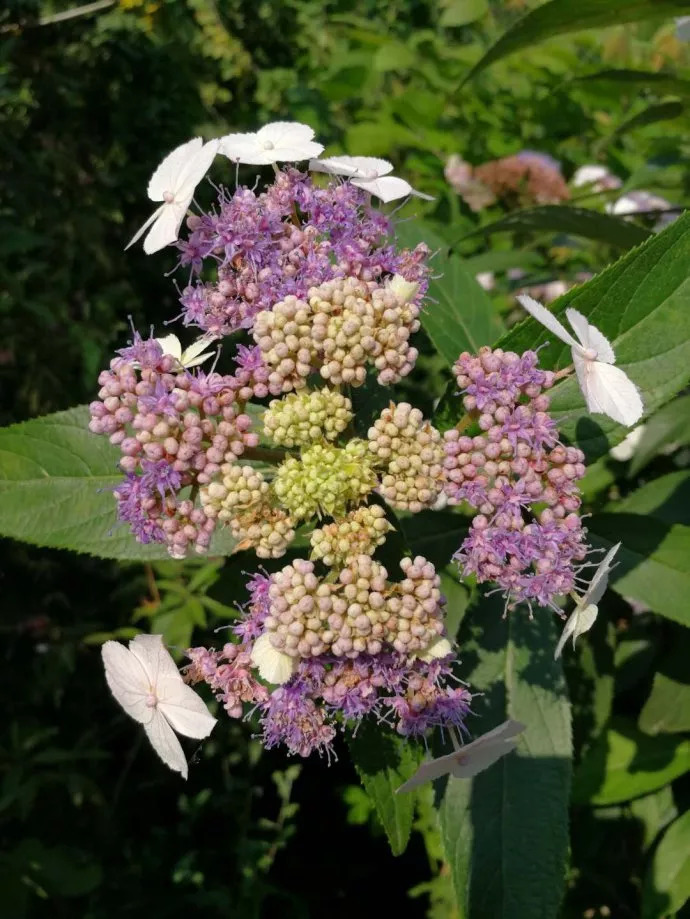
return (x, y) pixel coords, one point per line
(360, 613)
(411, 453)
(495, 378)
(184, 526)
(266, 529)
(343, 325)
(325, 479)
(304, 418)
(238, 488)
(189, 422)
(359, 533)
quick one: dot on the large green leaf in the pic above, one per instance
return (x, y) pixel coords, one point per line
(642, 304)
(653, 563)
(505, 832)
(561, 16)
(575, 221)
(56, 482)
(666, 498)
(383, 762)
(667, 883)
(624, 763)
(459, 315)
(668, 427)
(667, 710)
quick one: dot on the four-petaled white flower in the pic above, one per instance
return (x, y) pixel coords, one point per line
(274, 666)
(470, 759)
(174, 183)
(606, 388)
(279, 142)
(369, 173)
(584, 615)
(147, 684)
(191, 356)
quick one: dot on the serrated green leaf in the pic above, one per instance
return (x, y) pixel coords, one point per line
(654, 811)
(559, 17)
(56, 482)
(669, 426)
(667, 883)
(458, 315)
(383, 762)
(653, 555)
(505, 832)
(624, 763)
(575, 221)
(642, 304)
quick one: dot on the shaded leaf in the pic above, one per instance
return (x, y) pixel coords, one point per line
(505, 832)
(668, 427)
(667, 710)
(383, 762)
(461, 12)
(624, 763)
(645, 79)
(667, 883)
(660, 111)
(666, 498)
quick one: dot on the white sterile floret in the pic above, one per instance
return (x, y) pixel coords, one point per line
(273, 665)
(191, 356)
(278, 142)
(174, 183)
(404, 290)
(626, 449)
(470, 759)
(584, 615)
(606, 388)
(147, 684)
(439, 648)
(370, 174)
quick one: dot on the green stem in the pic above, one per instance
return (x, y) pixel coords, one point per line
(264, 454)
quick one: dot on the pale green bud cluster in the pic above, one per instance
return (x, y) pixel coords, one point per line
(361, 613)
(411, 453)
(325, 479)
(239, 488)
(304, 418)
(359, 533)
(343, 326)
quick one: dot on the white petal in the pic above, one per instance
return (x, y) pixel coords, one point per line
(440, 648)
(155, 659)
(195, 354)
(387, 188)
(590, 336)
(171, 345)
(470, 759)
(625, 450)
(547, 319)
(279, 142)
(362, 167)
(166, 744)
(600, 579)
(167, 176)
(404, 290)
(238, 147)
(193, 172)
(273, 665)
(568, 630)
(184, 709)
(580, 621)
(611, 392)
(128, 681)
(585, 175)
(166, 229)
(142, 229)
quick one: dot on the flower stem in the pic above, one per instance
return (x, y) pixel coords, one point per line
(264, 454)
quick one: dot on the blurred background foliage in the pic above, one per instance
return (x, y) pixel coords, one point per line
(90, 825)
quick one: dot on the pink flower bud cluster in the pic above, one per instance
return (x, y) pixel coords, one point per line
(527, 536)
(327, 690)
(361, 612)
(174, 429)
(262, 247)
(410, 450)
(341, 327)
